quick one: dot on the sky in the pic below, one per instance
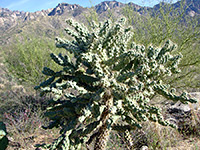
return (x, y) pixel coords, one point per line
(38, 5)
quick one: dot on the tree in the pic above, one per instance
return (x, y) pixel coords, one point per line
(106, 83)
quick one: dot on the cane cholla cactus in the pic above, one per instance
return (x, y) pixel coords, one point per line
(112, 82)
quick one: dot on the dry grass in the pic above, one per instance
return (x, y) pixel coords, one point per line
(158, 137)
(28, 141)
(24, 128)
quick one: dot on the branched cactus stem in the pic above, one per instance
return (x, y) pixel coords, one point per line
(104, 130)
(129, 140)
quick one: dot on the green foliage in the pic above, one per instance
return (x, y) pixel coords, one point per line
(25, 59)
(92, 16)
(3, 138)
(155, 26)
(106, 83)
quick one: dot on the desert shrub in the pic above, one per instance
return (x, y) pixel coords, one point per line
(25, 59)
(13, 102)
(23, 115)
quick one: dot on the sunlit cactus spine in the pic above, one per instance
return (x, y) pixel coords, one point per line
(106, 83)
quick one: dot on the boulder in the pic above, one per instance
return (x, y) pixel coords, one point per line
(182, 115)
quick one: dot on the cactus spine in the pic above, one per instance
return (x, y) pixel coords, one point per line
(107, 82)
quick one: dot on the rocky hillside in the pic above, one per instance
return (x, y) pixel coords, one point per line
(10, 18)
(50, 21)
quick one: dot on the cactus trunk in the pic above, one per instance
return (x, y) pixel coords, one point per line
(102, 139)
(104, 130)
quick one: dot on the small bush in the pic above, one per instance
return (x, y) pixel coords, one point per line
(25, 59)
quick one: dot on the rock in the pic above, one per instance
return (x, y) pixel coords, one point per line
(182, 114)
(107, 5)
(179, 108)
(186, 108)
(196, 95)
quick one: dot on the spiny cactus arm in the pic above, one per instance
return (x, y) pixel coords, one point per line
(82, 80)
(45, 83)
(62, 142)
(68, 84)
(136, 87)
(140, 110)
(128, 139)
(3, 138)
(47, 71)
(132, 122)
(115, 44)
(111, 35)
(175, 61)
(95, 61)
(105, 28)
(73, 85)
(152, 52)
(154, 114)
(162, 90)
(81, 42)
(83, 132)
(136, 111)
(122, 61)
(121, 88)
(127, 61)
(61, 84)
(168, 47)
(63, 61)
(77, 134)
(58, 105)
(106, 44)
(52, 124)
(124, 76)
(161, 61)
(69, 46)
(122, 128)
(2, 130)
(68, 111)
(87, 79)
(78, 27)
(82, 36)
(65, 112)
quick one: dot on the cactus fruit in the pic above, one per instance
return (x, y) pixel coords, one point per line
(107, 82)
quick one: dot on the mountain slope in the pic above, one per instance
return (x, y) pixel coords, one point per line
(10, 19)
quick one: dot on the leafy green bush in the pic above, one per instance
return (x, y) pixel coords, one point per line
(25, 58)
